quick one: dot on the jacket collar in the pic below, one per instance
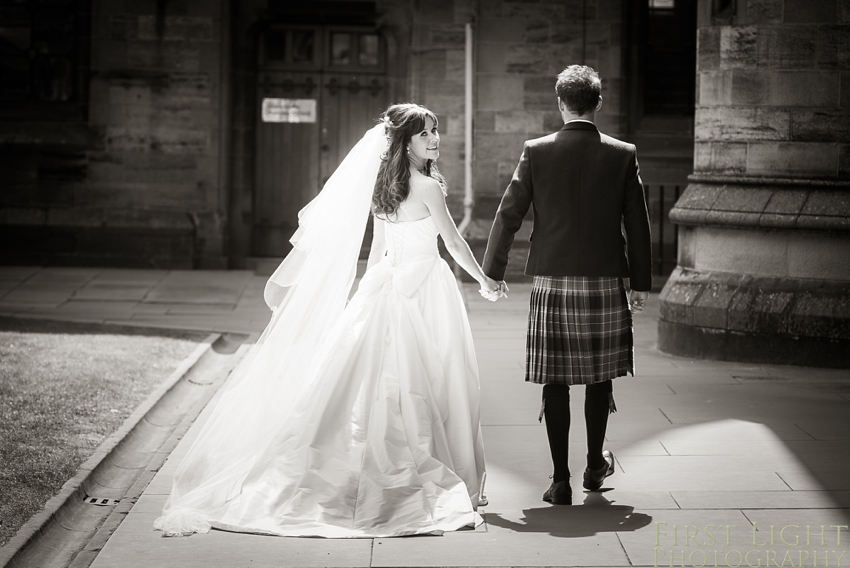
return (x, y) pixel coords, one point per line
(580, 125)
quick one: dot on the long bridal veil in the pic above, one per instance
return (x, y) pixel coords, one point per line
(307, 294)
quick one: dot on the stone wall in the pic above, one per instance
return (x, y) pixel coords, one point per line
(154, 168)
(135, 179)
(764, 231)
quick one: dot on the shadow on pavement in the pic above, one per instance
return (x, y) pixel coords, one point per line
(596, 515)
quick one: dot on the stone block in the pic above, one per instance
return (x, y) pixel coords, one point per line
(710, 309)
(127, 195)
(502, 91)
(833, 48)
(714, 88)
(828, 202)
(720, 157)
(519, 121)
(491, 58)
(741, 251)
(844, 162)
(565, 31)
(699, 196)
(172, 140)
(539, 92)
(786, 201)
(437, 12)
(749, 87)
(538, 58)
(505, 171)
(742, 199)
(678, 302)
(175, 28)
(738, 46)
(552, 121)
(534, 11)
(686, 253)
(764, 11)
(708, 49)
(741, 123)
(432, 64)
(820, 126)
(795, 159)
(485, 173)
(536, 31)
(844, 102)
(819, 255)
(788, 47)
(821, 313)
(496, 30)
(485, 120)
(599, 33)
(804, 88)
(178, 56)
(448, 35)
(22, 216)
(844, 11)
(500, 146)
(455, 64)
(808, 12)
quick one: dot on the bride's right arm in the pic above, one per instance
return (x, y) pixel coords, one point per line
(435, 201)
(379, 243)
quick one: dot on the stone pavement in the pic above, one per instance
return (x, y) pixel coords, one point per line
(718, 464)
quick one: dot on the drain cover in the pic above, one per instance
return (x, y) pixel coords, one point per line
(100, 501)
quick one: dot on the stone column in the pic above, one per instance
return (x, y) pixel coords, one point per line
(764, 227)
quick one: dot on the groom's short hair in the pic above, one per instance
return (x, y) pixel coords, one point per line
(578, 87)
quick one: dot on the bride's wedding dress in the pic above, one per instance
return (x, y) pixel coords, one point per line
(375, 434)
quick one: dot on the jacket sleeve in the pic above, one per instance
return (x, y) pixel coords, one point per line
(512, 209)
(636, 222)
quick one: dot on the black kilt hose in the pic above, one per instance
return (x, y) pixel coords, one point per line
(579, 331)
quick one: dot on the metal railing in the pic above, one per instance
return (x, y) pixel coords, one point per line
(665, 239)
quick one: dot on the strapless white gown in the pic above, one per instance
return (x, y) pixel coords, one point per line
(385, 438)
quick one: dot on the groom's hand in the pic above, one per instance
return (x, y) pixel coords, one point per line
(637, 301)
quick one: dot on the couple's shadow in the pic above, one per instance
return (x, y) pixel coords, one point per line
(597, 514)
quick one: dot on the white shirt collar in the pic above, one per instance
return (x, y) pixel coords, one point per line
(579, 120)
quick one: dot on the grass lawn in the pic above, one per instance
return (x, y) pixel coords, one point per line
(64, 388)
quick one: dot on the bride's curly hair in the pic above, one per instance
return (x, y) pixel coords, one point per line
(401, 123)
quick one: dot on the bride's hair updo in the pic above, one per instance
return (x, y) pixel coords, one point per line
(401, 123)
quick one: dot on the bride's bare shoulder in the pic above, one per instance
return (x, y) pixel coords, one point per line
(424, 185)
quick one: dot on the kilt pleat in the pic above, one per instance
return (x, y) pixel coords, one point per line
(579, 331)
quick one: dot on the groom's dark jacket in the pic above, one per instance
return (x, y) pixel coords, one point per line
(584, 188)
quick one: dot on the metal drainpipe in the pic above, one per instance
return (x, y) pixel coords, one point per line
(468, 195)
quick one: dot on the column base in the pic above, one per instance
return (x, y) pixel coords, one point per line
(734, 317)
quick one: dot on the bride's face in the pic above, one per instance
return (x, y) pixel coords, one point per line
(425, 145)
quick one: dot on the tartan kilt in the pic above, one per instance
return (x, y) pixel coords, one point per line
(579, 331)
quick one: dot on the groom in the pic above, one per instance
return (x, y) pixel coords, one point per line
(584, 189)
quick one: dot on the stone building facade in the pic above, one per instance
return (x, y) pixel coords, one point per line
(188, 134)
(132, 133)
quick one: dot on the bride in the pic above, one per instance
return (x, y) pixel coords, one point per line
(358, 418)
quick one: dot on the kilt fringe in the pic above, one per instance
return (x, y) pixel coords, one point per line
(579, 331)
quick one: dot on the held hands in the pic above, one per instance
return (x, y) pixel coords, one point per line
(493, 290)
(637, 301)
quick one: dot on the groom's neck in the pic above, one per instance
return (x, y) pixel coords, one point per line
(568, 116)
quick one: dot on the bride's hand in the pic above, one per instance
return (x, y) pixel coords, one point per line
(489, 289)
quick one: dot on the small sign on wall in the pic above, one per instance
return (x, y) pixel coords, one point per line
(289, 110)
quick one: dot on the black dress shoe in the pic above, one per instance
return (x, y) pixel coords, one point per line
(593, 479)
(559, 493)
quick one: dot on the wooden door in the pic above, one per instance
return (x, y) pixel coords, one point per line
(342, 81)
(287, 163)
